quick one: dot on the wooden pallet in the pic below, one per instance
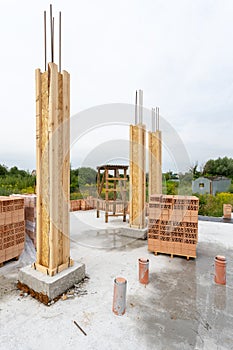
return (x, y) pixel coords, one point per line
(12, 259)
(176, 254)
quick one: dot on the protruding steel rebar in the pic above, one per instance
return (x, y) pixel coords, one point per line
(136, 108)
(53, 39)
(158, 118)
(51, 30)
(45, 43)
(140, 106)
(153, 120)
(60, 41)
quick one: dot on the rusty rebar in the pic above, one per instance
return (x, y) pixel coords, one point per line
(136, 108)
(60, 41)
(153, 120)
(51, 30)
(76, 324)
(45, 43)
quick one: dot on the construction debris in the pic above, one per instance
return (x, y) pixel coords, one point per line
(76, 324)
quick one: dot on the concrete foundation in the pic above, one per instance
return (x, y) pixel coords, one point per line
(134, 232)
(53, 286)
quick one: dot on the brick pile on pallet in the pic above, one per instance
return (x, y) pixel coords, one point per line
(91, 202)
(85, 205)
(12, 227)
(173, 225)
(75, 204)
(30, 216)
(82, 204)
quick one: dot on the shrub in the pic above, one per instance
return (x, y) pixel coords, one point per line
(210, 205)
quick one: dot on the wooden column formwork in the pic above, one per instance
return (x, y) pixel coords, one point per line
(137, 176)
(53, 170)
(155, 162)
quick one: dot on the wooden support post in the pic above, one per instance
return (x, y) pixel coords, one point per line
(66, 166)
(38, 155)
(155, 162)
(53, 170)
(137, 176)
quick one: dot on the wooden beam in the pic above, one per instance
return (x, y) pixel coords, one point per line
(102, 182)
(137, 176)
(53, 169)
(38, 160)
(66, 166)
(155, 162)
(54, 271)
(43, 174)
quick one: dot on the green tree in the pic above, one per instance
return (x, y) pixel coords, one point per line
(219, 167)
(86, 175)
(194, 171)
(3, 170)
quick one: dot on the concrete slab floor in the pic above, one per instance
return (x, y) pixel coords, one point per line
(181, 307)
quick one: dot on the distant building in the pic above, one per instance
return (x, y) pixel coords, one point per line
(211, 185)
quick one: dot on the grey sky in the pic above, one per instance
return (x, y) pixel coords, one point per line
(179, 52)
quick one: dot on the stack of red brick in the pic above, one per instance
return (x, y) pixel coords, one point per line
(75, 204)
(12, 227)
(173, 225)
(30, 216)
(83, 204)
(227, 209)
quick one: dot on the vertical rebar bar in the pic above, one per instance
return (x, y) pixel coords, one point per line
(45, 42)
(51, 30)
(153, 120)
(140, 106)
(60, 41)
(158, 118)
(53, 39)
(136, 108)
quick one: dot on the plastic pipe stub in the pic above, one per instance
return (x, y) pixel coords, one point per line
(220, 258)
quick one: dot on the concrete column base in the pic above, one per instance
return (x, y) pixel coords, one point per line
(46, 288)
(138, 233)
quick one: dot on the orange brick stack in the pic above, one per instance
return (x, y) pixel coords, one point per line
(30, 216)
(91, 202)
(83, 204)
(12, 227)
(75, 204)
(173, 225)
(227, 209)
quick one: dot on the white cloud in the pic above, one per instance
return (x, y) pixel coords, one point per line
(180, 52)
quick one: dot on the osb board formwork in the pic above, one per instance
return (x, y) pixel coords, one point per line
(155, 162)
(137, 176)
(53, 138)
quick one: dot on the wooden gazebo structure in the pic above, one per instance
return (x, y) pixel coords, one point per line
(119, 178)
